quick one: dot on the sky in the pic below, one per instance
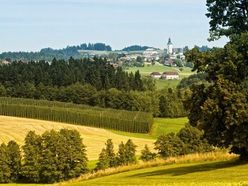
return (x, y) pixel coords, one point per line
(29, 25)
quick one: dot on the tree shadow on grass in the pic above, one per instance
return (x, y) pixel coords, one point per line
(178, 171)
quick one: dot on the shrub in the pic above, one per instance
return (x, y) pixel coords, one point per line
(147, 155)
(169, 145)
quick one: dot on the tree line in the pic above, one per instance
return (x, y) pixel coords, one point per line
(97, 72)
(47, 158)
(60, 155)
(49, 53)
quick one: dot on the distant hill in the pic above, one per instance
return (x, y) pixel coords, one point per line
(48, 53)
(135, 48)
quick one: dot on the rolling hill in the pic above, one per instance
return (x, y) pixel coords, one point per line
(12, 128)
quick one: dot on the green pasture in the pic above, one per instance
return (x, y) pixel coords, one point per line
(211, 173)
(162, 84)
(205, 173)
(161, 126)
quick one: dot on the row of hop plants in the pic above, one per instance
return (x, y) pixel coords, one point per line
(136, 122)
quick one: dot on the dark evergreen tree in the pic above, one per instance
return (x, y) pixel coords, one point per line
(138, 82)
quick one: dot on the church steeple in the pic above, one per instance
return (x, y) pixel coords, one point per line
(169, 42)
(169, 47)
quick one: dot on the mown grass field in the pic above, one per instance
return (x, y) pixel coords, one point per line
(210, 169)
(204, 173)
(12, 128)
(162, 84)
(160, 126)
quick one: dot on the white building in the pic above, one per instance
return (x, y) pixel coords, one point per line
(170, 75)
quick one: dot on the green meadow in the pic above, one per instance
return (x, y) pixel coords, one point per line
(162, 84)
(160, 126)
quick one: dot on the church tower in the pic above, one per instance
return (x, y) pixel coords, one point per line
(169, 47)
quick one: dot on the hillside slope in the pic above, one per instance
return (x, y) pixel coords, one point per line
(12, 128)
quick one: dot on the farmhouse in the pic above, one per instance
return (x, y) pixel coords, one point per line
(170, 75)
(156, 75)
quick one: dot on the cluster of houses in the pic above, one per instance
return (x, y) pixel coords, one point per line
(153, 54)
(165, 75)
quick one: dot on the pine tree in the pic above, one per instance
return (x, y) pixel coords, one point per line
(121, 157)
(130, 150)
(147, 155)
(103, 161)
(14, 154)
(110, 153)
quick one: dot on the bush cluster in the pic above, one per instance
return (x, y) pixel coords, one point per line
(125, 156)
(187, 141)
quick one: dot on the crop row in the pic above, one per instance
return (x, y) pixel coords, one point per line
(137, 122)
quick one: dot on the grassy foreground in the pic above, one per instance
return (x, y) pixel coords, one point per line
(210, 169)
(207, 173)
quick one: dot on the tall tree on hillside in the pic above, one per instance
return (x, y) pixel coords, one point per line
(31, 161)
(121, 155)
(110, 153)
(130, 150)
(227, 17)
(72, 153)
(14, 154)
(221, 108)
(138, 82)
(49, 158)
(5, 171)
(103, 161)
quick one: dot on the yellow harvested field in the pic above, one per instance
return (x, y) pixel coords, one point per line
(12, 128)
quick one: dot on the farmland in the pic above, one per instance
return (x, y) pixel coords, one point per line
(139, 122)
(160, 126)
(12, 128)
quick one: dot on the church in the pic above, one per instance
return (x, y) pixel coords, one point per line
(169, 47)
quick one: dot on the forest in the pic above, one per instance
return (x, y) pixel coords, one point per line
(94, 83)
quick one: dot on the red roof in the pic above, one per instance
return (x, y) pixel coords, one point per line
(155, 74)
